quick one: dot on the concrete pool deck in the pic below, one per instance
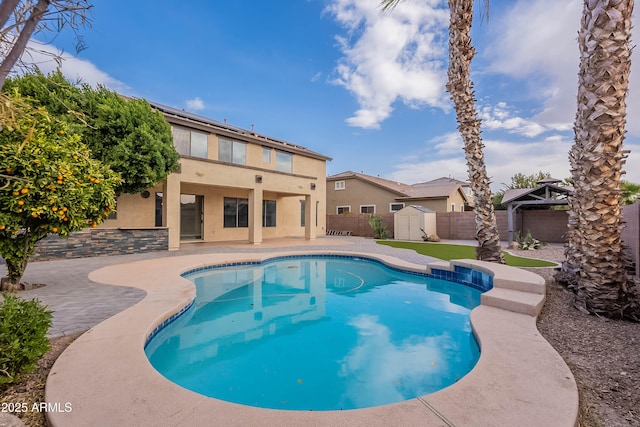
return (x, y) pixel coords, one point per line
(107, 380)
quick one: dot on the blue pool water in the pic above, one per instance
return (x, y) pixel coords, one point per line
(318, 333)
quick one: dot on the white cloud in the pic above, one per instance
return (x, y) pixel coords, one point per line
(195, 104)
(391, 56)
(444, 156)
(500, 116)
(536, 42)
(74, 69)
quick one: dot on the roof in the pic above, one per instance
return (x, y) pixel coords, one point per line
(393, 186)
(444, 180)
(438, 188)
(185, 118)
(423, 191)
(547, 193)
(418, 207)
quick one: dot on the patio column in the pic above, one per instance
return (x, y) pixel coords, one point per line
(310, 217)
(255, 216)
(171, 209)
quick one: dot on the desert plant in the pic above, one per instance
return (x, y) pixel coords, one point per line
(528, 242)
(379, 230)
(23, 336)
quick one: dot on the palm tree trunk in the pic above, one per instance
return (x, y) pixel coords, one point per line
(460, 87)
(595, 265)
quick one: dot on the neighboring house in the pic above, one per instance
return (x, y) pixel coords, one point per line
(359, 193)
(233, 185)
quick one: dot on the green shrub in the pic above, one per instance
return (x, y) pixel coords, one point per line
(528, 242)
(379, 230)
(23, 336)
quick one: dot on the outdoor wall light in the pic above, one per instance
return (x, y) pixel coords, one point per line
(258, 179)
(313, 186)
(145, 194)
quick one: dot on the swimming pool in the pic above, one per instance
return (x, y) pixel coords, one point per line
(318, 333)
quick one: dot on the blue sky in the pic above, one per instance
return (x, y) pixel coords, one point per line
(339, 77)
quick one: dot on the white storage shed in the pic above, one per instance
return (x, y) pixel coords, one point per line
(413, 222)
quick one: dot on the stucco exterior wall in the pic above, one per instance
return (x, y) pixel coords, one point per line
(215, 180)
(356, 194)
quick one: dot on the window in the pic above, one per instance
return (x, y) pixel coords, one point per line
(190, 143)
(302, 213)
(340, 185)
(268, 213)
(236, 212)
(368, 209)
(343, 209)
(284, 162)
(462, 207)
(191, 215)
(232, 151)
(453, 207)
(394, 207)
(266, 155)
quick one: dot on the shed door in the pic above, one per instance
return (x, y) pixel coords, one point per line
(414, 227)
(402, 233)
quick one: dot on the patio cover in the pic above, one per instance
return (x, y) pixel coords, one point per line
(547, 193)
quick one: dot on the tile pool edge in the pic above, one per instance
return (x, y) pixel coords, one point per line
(519, 379)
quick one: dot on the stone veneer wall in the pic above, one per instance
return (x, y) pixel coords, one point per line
(102, 242)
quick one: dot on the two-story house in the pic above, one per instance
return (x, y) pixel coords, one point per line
(352, 192)
(233, 185)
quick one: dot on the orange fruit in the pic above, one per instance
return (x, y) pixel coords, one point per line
(54, 208)
(2, 227)
(8, 170)
(59, 181)
(16, 193)
(24, 190)
(54, 229)
(94, 225)
(34, 214)
(21, 202)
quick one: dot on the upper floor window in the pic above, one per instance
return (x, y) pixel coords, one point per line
(232, 151)
(453, 207)
(190, 143)
(340, 185)
(284, 162)
(343, 209)
(266, 155)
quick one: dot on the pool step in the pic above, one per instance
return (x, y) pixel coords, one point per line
(514, 300)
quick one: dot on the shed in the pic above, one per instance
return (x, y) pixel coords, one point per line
(413, 222)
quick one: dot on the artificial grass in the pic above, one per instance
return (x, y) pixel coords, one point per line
(448, 252)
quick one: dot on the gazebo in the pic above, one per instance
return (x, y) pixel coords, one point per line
(549, 192)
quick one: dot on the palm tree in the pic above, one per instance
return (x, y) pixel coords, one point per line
(595, 267)
(460, 87)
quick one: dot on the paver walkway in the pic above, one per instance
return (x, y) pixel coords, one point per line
(79, 303)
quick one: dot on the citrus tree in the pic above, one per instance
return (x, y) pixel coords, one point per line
(49, 184)
(126, 134)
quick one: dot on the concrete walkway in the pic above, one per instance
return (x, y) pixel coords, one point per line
(78, 304)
